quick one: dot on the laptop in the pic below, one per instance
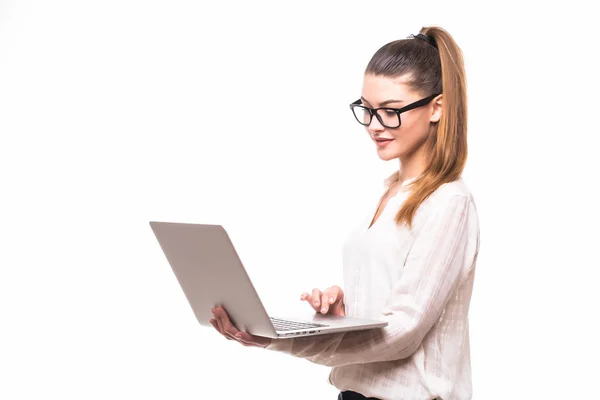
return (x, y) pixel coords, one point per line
(211, 274)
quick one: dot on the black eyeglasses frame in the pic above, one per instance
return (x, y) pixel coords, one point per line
(398, 111)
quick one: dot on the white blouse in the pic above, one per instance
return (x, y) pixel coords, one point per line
(420, 281)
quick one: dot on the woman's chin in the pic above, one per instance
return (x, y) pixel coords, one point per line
(386, 155)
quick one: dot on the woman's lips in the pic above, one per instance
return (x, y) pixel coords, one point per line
(382, 142)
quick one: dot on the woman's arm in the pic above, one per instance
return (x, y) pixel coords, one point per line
(433, 270)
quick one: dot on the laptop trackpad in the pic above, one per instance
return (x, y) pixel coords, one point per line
(340, 321)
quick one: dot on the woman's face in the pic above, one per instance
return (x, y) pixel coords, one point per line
(407, 140)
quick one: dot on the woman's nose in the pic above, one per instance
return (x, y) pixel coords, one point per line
(375, 125)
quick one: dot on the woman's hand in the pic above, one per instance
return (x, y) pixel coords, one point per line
(223, 325)
(330, 301)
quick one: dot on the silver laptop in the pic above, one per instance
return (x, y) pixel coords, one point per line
(211, 274)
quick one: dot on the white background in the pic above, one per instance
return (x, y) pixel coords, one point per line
(115, 113)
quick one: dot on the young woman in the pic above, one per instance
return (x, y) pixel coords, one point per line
(411, 262)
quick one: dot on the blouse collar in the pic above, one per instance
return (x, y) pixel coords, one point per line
(390, 180)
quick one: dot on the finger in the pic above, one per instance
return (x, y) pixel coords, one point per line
(219, 323)
(333, 296)
(218, 326)
(334, 291)
(243, 339)
(251, 340)
(228, 327)
(316, 299)
(337, 292)
(214, 324)
(325, 301)
(338, 307)
(310, 300)
(308, 297)
(246, 339)
(221, 328)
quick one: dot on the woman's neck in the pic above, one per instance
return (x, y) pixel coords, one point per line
(411, 168)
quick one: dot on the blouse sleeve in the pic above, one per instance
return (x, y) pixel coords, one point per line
(434, 268)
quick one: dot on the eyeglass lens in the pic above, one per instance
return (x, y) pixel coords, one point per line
(388, 118)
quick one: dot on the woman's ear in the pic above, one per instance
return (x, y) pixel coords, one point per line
(436, 113)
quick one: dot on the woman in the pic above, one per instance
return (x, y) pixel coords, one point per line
(412, 262)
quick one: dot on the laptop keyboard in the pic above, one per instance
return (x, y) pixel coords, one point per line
(283, 325)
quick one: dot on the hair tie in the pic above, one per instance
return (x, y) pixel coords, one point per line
(428, 39)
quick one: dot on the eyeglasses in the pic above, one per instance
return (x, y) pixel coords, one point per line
(388, 117)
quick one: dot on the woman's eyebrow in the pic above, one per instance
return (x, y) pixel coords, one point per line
(385, 102)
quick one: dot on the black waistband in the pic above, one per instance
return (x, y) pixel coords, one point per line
(350, 395)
